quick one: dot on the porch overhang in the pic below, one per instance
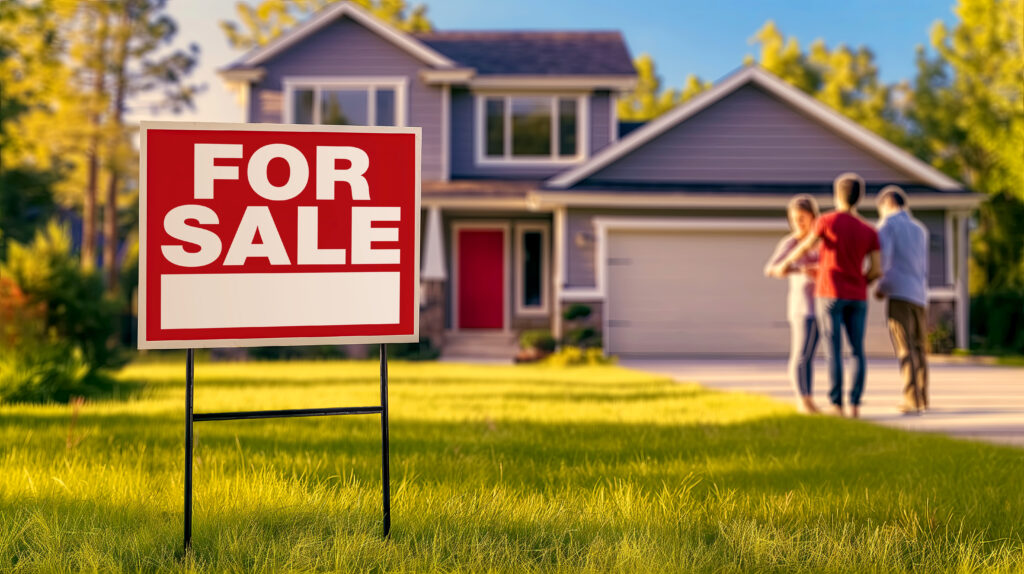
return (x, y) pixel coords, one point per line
(241, 75)
(447, 76)
(480, 194)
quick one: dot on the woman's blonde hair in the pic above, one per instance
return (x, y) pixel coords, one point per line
(805, 203)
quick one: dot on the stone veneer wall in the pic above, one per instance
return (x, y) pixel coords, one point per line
(432, 312)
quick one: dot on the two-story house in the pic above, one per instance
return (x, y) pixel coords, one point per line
(533, 202)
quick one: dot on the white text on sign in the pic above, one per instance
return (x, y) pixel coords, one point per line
(257, 219)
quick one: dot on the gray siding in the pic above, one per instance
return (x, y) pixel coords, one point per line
(463, 120)
(935, 221)
(749, 136)
(580, 239)
(345, 48)
(600, 120)
(581, 242)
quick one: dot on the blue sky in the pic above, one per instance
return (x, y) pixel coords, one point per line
(708, 38)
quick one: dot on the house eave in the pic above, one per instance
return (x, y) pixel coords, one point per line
(534, 82)
(614, 199)
(483, 203)
(448, 76)
(241, 75)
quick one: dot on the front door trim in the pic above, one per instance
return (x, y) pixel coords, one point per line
(496, 225)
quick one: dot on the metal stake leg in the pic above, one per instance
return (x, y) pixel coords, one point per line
(385, 454)
(190, 418)
(189, 374)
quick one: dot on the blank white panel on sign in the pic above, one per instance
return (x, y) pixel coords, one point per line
(219, 300)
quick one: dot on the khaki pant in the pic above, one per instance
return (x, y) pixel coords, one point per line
(908, 330)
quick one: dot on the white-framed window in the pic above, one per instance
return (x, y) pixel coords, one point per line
(531, 129)
(532, 244)
(368, 101)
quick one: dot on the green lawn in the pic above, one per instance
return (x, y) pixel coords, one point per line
(506, 469)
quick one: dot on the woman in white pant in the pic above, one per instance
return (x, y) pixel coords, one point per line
(802, 212)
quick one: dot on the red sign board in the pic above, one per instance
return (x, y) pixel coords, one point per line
(262, 234)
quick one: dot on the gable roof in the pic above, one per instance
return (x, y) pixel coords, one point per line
(535, 53)
(592, 57)
(816, 110)
(405, 41)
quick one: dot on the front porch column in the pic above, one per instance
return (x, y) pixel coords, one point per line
(433, 268)
(433, 275)
(558, 272)
(961, 271)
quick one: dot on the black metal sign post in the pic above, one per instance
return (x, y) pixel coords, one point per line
(191, 417)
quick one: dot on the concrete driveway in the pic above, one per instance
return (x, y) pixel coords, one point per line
(972, 401)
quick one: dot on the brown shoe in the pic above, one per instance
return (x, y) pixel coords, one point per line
(855, 411)
(837, 410)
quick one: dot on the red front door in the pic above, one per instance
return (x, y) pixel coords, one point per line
(481, 282)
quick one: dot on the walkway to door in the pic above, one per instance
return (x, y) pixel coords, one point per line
(979, 402)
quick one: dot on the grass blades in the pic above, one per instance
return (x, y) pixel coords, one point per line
(494, 469)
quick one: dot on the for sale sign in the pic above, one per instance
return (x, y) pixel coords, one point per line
(261, 234)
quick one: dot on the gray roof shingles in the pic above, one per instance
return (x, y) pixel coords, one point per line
(535, 53)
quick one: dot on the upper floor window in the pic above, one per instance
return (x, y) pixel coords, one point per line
(345, 101)
(530, 129)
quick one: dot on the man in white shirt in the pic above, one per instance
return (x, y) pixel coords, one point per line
(904, 242)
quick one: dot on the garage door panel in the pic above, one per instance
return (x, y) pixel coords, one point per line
(702, 293)
(741, 341)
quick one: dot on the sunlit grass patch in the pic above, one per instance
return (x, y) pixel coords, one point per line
(509, 469)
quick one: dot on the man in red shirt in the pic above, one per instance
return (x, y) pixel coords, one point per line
(842, 287)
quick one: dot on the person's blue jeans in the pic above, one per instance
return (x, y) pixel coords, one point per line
(804, 342)
(837, 315)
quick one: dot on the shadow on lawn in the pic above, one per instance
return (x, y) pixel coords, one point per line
(109, 388)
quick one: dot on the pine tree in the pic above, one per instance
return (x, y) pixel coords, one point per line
(125, 53)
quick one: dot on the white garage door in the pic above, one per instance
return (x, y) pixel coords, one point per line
(700, 292)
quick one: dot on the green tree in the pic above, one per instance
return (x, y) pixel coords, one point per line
(966, 107)
(844, 78)
(124, 54)
(650, 99)
(31, 76)
(89, 52)
(265, 20)
(784, 57)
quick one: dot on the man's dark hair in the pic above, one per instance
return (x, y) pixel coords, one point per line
(849, 187)
(892, 193)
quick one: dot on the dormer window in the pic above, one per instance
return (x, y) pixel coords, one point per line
(345, 101)
(531, 129)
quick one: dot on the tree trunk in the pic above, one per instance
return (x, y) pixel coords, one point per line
(110, 240)
(89, 208)
(110, 266)
(89, 218)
